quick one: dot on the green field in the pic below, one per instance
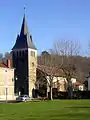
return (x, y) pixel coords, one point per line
(46, 110)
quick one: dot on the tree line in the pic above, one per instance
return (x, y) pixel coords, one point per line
(65, 56)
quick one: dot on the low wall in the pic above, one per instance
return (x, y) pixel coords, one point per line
(9, 97)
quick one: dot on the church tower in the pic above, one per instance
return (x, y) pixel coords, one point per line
(24, 60)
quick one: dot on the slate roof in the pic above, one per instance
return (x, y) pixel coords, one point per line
(24, 40)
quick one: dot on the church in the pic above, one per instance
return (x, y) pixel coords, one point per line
(21, 76)
(24, 60)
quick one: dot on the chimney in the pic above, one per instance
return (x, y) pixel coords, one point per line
(8, 63)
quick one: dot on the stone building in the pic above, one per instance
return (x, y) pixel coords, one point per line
(6, 82)
(24, 60)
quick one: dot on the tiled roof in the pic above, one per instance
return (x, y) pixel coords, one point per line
(3, 65)
(77, 83)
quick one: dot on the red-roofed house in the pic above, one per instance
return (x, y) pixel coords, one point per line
(6, 81)
(79, 85)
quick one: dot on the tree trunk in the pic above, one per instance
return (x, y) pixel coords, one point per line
(47, 94)
(70, 89)
(51, 96)
(47, 90)
(70, 92)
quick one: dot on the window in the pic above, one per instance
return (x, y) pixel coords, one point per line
(13, 54)
(32, 53)
(20, 53)
(26, 52)
(12, 79)
(32, 64)
(31, 38)
(17, 53)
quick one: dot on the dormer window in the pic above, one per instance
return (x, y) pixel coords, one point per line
(31, 38)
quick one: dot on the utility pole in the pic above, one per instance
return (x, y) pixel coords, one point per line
(6, 93)
(6, 85)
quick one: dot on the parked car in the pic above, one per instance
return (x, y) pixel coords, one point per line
(24, 98)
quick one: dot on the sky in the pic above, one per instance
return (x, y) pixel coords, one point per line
(48, 20)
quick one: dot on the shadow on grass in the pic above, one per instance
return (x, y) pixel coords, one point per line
(4, 102)
(79, 107)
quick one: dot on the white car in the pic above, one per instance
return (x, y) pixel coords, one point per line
(22, 98)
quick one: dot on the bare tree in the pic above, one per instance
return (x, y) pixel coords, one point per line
(49, 70)
(62, 57)
(1, 56)
(7, 55)
(67, 51)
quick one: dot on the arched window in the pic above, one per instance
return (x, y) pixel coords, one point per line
(20, 53)
(23, 53)
(26, 52)
(13, 54)
(17, 53)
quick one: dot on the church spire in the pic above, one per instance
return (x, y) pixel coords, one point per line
(24, 39)
(24, 28)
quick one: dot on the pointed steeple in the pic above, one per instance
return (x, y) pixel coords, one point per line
(24, 28)
(24, 40)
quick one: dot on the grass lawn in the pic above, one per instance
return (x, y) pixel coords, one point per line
(46, 110)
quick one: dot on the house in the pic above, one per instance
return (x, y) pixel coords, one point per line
(59, 80)
(88, 82)
(78, 86)
(6, 81)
